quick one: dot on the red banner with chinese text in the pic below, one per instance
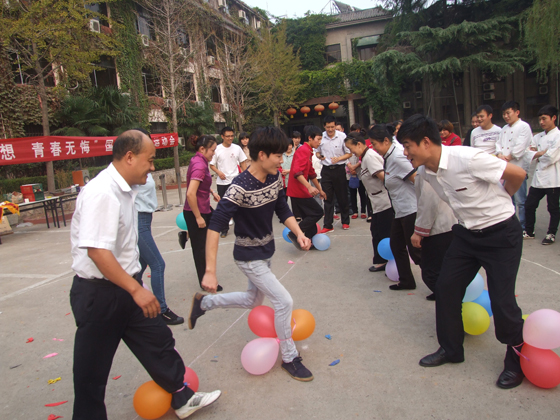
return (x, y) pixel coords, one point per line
(50, 148)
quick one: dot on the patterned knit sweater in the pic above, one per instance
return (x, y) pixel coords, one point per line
(252, 205)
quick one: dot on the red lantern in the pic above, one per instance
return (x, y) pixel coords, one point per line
(305, 110)
(319, 108)
(291, 112)
(333, 106)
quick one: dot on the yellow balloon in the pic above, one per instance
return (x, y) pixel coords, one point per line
(475, 318)
(525, 317)
(304, 324)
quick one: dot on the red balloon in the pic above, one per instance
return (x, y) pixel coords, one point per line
(191, 379)
(261, 321)
(540, 366)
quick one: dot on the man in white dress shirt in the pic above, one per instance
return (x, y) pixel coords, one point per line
(488, 235)
(485, 136)
(545, 148)
(108, 302)
(514, 139)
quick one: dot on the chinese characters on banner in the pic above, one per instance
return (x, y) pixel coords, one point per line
(50, 148)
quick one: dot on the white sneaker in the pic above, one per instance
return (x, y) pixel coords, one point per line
(230, 222)
(196, 402)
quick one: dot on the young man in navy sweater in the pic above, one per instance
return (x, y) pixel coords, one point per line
(252, 199)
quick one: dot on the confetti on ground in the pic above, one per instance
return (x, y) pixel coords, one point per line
(149, 275)
(13, 367)
(29, 340)
(50, 355)
(336, 362)
(56, 404)
(53, 381)
(377, 291)
(290, 262)
(411, 293)
(53, 417)
(68, 313)
(116, 377)
(328, 336)
(58, 339)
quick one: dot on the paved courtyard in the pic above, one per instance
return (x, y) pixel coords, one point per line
(379, 335)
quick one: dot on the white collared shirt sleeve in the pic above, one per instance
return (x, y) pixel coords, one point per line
(552, 154)
(487, 168)
(428, 202)
(101, 212)
(499, 142)
(522, 140)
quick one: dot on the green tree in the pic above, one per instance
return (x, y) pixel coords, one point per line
(52, 39)
(277, 74)
(542, 34)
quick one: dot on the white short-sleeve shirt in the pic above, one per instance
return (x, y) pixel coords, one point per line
(398, 170)
(485, 140)
(226, 159)
(469, 181)
(333, 147)
(105, 218)
(372, 164)
(547, 172)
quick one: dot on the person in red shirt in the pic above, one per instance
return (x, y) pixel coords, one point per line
(300, 188)
(448, 137)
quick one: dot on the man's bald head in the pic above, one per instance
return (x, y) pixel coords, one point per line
(129, 141)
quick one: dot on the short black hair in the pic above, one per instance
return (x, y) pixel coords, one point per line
(296, 135)
(203, 141)
(354, 137)
(329, 119)
(226, 129)
(312, 131)
(381, 131)
(243, 135)
(510, 104)
(129, 141)
(290, 141)
(486, 108)
(268, 140)
(417, 127)
(355, 127)
(549, 110)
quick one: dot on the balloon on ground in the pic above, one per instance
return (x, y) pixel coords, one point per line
(285, 234)
(321, 241)
(303, 324)
(180, 220)
(191, 379)
(474, 289)
(261, 321)
(484, 301)
(542, 329)
(540, 366)
(475, 318)
(259, 356)
(391, 270)
(384, 249)
(151, 401)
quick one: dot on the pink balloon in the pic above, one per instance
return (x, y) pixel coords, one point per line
(191, 379)
(261, 321)
(259, 355)
(542, 329)
(391, 270)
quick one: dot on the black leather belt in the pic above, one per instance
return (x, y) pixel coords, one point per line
(492, 228)
(335, 166)
(105, 282)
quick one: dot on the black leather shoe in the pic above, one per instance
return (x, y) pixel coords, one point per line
(375, 269)
(183, 238)
(399, 287)
(510, 379)
(435, 359)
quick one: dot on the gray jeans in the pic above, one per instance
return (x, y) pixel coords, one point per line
(262, 282)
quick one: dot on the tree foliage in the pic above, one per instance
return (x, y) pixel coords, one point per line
(542, 34)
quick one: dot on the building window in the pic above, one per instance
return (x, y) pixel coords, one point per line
(216, 93)
(143, 22)
(366, 53)
(366, 46)
(107, 75)
(151, 85)
(332, 54)
(211, 46)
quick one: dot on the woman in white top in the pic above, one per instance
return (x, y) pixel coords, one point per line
(372, 175)
(287, 158)
(399, 182)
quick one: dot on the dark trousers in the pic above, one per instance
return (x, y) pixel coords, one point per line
(221, 192)
(553, 202)
(105, 314)
(364, 200)
(401, 246)
(198, 241)
(310, 211)
(333, 181)
(380, 228)
(498, 250)
(433, 252)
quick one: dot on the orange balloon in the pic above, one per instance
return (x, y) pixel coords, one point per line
(151, 401)
(304, 324)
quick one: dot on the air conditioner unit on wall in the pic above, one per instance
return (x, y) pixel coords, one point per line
(488, 86)
(182, 141)
(94, 25)
(200, 104)
(145, 40)
(222, 3)
(489, 96)
(406, 105)
(210, 60)
(168, 103)
(258, 24)
(543, 90)
(242, 14)
(224, 108)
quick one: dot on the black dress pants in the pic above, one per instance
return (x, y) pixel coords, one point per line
(105, 314)
(221, 192)
(401, 246)
(198, 241)
(433, 253)
(364, 200)
(333, 181)
(498, 250)
(310, 211)
(553, 204)
(380, 228)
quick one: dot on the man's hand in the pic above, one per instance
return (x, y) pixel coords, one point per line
(335, 159)
(201, 222)
(216, 196)
(323, 195)
(539, 154)
(304, 242)
(416, 240)
(313, 191)
(285, 172)
(221, 175)
(210, 282)
(147, 302)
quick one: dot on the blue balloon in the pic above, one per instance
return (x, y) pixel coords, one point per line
(285, 235)
(484, 301)
(321, 242)
(475, 289)
(384, 249)
(180, 220)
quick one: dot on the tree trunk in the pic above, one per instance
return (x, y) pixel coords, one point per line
(276, 119)
(44, 104)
